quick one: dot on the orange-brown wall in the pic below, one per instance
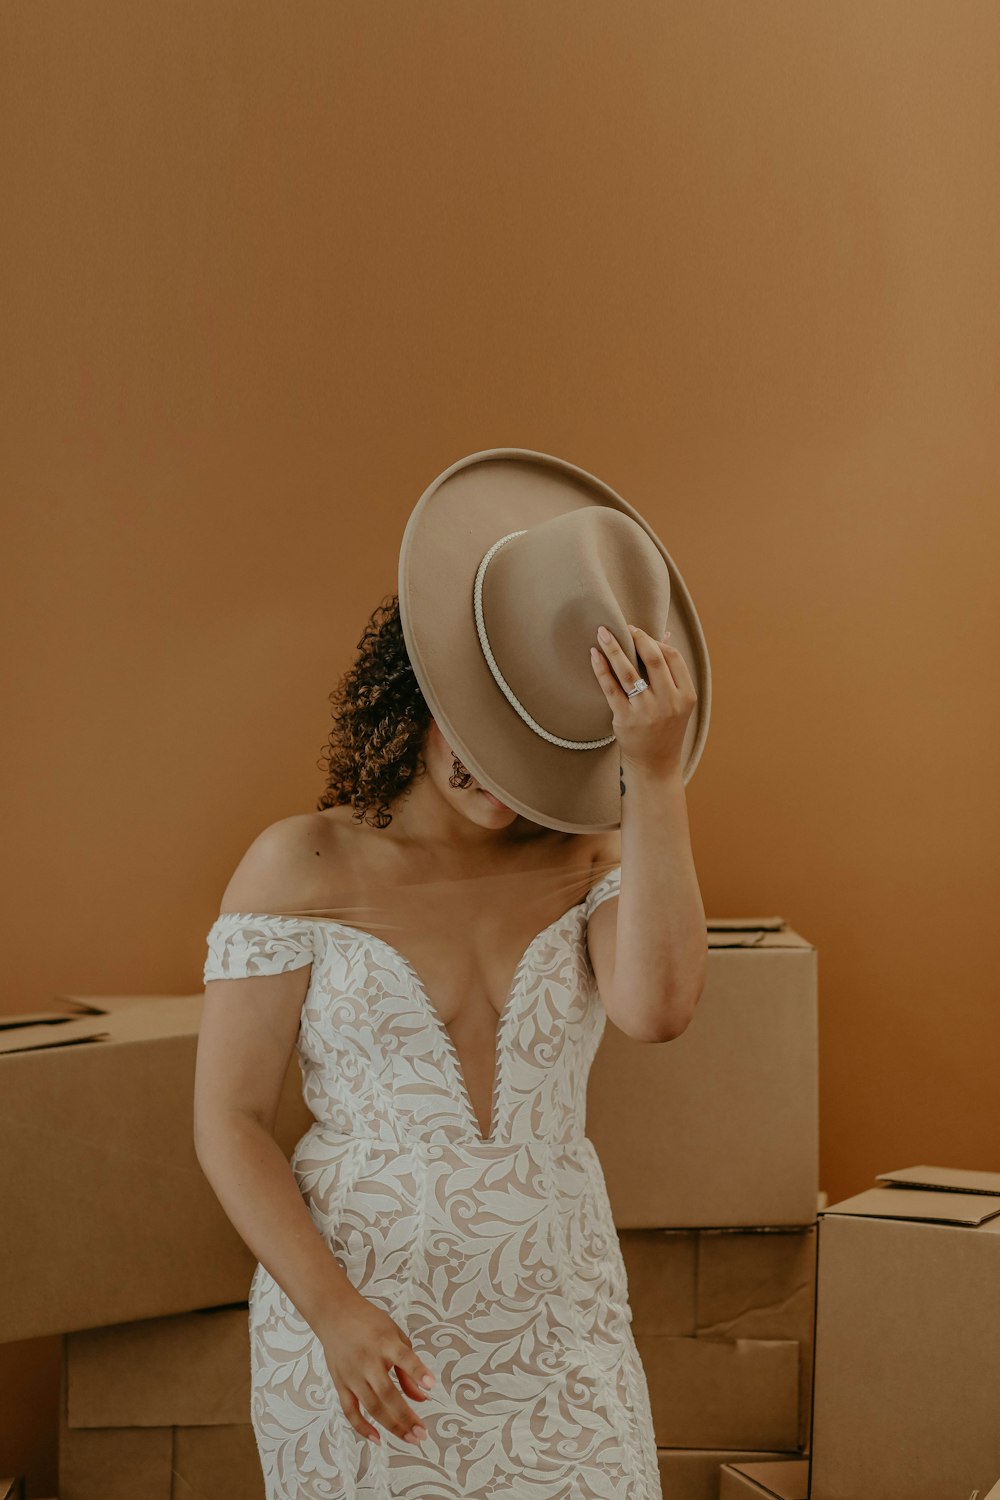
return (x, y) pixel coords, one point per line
(270, 268)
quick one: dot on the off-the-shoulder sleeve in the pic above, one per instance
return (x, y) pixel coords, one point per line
(608, 885)
(241, 944)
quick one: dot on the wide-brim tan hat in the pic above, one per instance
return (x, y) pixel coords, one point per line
(509, 562)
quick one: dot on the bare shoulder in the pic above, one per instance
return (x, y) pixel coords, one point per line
(275, 872)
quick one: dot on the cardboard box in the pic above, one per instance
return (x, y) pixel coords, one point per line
(907, 1346)
(723, 1392)
(696, 1473)
(108, 1214)
(722, 1124)
(723, 1321)
(774, 1480)
(159, 1408)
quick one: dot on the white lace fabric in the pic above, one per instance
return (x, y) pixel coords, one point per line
(497, 1255)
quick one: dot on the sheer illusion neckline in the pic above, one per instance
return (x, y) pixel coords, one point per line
(437, 1019)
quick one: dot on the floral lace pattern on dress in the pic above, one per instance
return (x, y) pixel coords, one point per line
(497, 1256)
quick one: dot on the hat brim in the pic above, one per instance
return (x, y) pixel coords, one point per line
(458, 517)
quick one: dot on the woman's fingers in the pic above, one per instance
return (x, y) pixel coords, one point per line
(352, 1411)
(420, 1380)
(416, 1379)
(620, 664)
(658, 657)
(385, 1402)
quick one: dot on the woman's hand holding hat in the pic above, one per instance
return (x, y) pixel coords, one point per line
(649, 727)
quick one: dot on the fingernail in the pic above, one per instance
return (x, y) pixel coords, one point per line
(603, 632)
(427, 1381)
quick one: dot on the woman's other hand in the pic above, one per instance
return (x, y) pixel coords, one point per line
(361, 1349)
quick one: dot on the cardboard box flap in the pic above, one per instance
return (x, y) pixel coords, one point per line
(955, 1179)
(124, 1018)
(745, 924)
(753, 932)
(72, 1008)
(942, 1207)
(32, 1038)
(735, 938)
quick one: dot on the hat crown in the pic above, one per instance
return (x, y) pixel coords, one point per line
(546, 589)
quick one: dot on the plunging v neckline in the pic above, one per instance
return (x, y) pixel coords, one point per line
(436, 1018)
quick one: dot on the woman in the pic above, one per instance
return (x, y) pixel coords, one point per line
(440, 1305)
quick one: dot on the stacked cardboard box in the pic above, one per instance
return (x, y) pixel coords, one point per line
(709, 1146)
(109, 1214)
(115, 1239)
(901, 1363)
(159, 1408)
(712, 1176)
(907, 1388)
(711, 1171)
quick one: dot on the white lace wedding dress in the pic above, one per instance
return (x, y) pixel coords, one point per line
(498, 1256)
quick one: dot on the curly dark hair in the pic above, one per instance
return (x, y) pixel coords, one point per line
(380, 720)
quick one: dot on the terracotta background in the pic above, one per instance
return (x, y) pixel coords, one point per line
(267, 269)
